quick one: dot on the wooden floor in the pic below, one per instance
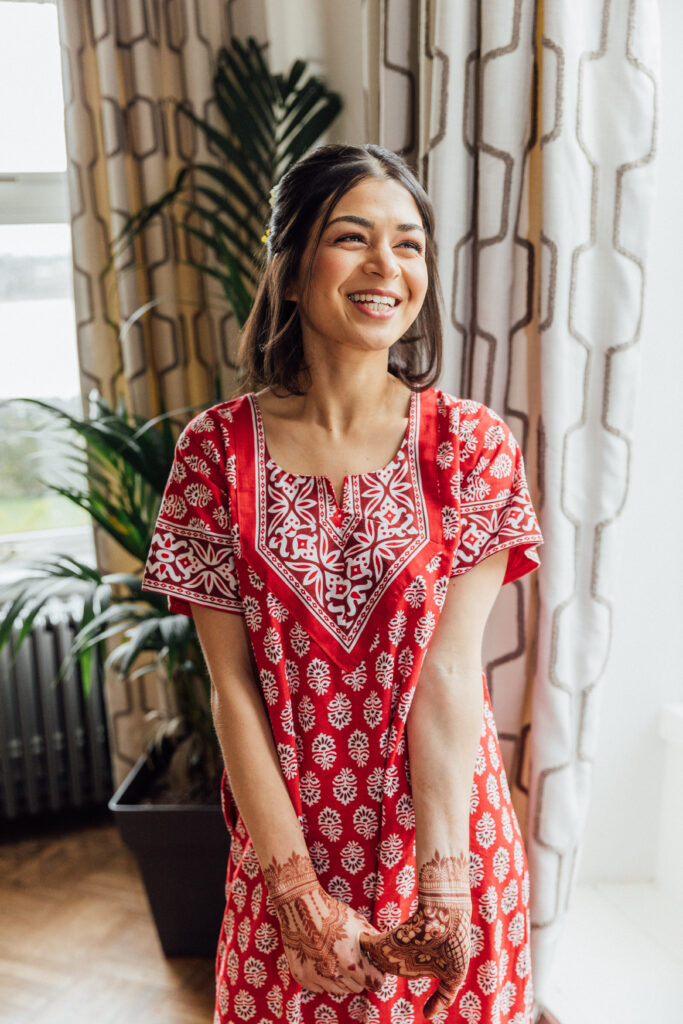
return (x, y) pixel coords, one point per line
(77, 942)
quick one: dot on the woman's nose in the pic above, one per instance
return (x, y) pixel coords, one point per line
(382, 260)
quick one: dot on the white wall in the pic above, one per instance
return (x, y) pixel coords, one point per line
(328, 34)
(646, 667)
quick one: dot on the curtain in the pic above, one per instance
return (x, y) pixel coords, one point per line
(125, 64)
(533, 126)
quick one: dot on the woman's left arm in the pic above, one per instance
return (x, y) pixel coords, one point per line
(444, 730)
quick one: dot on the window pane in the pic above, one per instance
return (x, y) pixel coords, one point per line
(32, 107)
(37, 320)
(38, 343)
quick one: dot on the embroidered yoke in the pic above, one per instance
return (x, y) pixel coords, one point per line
(340, 604)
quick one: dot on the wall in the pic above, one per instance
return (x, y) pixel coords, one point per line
(646, 667)
(330, 36)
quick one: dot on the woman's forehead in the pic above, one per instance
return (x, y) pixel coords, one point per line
(378, 197)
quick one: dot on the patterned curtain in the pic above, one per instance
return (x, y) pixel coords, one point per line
(533, 126)
(125, 65)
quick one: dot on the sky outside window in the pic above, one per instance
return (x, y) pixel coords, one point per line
(32, 107)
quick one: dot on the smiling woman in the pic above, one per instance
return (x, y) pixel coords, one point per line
(358, 216)
(356, 523)
(356, 295)
(378, 272)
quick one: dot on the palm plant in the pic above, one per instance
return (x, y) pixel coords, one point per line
(124, 466)
(265, 123)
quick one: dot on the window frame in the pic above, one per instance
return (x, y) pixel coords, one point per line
(39, 197)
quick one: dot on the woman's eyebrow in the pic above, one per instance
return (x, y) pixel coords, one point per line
(369, 224)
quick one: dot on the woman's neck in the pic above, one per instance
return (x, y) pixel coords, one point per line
(340, 397)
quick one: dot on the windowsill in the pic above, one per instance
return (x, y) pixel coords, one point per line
(76, 541)
(620, 957)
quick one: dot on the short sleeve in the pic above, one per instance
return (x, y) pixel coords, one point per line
(192, 554)
(495, 505)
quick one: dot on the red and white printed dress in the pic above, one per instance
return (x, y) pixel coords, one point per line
(340, 604)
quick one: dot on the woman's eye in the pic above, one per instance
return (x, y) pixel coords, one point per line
(409, 242)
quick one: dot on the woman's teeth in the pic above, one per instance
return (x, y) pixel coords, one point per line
(375, 302)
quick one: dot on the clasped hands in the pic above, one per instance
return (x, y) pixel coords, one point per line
(332, 948)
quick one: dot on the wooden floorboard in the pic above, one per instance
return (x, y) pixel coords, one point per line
(77, 941)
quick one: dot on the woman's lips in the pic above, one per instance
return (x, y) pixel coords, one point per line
(378, 314)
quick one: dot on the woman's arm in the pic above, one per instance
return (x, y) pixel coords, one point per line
(443, 730)
(445, 720)
(320, 934)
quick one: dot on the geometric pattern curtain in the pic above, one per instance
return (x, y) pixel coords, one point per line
(125, 65)
(533, 126)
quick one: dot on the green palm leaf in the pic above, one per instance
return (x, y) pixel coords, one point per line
(264, 122)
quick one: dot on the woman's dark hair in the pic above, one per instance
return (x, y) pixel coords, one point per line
(271, 349)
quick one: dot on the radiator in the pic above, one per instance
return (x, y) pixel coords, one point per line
(53, 739)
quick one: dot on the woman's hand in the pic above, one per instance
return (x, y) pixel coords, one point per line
(321, 935)
(435, 941)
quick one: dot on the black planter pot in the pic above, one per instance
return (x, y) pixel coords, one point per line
(182, 853)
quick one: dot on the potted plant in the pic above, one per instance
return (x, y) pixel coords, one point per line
(265, 122)
(168, 807)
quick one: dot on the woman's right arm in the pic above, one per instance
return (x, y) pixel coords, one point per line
(320, 933)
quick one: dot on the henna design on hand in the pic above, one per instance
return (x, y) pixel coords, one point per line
(435, 941)
(316, 929)
(293, 874)
(310, 920)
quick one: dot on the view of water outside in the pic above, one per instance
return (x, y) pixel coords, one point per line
(37, 322)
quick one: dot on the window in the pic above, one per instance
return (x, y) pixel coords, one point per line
(37, 319)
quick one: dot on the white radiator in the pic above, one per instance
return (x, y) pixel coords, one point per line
(53, 739)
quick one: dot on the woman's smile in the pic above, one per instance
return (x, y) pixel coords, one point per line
(375, 303)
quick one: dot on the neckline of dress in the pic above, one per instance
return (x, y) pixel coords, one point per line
(270, 461)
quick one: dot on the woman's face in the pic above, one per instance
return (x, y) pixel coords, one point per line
(369, 275)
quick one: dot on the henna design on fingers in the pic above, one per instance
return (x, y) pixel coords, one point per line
(369, 982)
(435, 941)
(311, 927)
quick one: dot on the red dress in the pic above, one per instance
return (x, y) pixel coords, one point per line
(340, 604)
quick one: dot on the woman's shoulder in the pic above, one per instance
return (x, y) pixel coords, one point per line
(209, 435)
(465, 412)
(217, 417)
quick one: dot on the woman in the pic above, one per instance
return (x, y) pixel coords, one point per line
(358, 522)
